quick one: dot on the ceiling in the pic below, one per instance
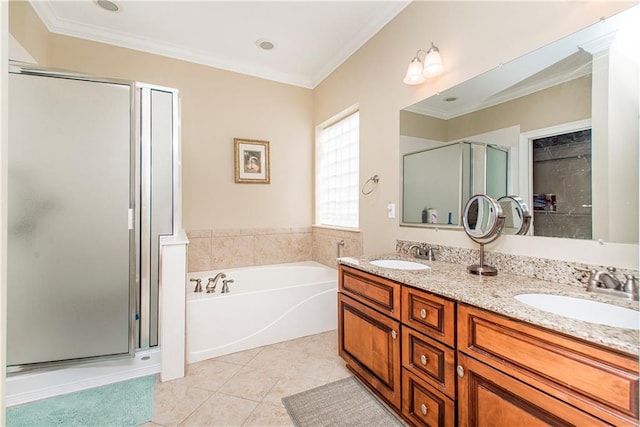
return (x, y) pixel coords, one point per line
(311, 38)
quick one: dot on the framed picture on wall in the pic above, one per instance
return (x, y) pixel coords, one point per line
(251, 161)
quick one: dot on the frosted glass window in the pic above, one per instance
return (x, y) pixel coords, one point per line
(337, 173)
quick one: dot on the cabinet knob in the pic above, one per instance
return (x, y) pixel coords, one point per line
(394, 334)
(423, 359)
(423, 313)
(460, 371)
(423, 409)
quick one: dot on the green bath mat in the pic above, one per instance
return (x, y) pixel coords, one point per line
(127, 403)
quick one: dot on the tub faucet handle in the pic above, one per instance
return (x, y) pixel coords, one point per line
(198, 287)
(225, 285)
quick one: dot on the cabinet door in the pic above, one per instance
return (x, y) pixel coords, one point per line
(370, 344)
(487, 397)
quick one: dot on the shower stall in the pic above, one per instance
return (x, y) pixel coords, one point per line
(93, 182)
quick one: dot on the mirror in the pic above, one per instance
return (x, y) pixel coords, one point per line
(563, 121)
(517, 217)
(483, 220)
(462, 169)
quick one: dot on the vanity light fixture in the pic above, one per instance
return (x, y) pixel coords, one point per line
(416, 72)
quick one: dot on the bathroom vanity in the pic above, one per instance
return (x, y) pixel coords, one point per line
(443, 347)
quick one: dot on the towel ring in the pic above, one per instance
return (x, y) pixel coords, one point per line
(374, 179)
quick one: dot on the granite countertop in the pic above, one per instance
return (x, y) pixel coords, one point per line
(497, 293)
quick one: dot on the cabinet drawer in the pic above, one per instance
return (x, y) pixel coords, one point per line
(430, 360)
(598, 381)
(376, 292)
(370, 344)
(431, 315)
(424, 405)
(490, 398)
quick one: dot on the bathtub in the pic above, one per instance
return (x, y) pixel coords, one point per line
(265, 305)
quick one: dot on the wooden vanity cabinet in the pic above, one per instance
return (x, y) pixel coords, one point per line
(539, 375)
(439, 363)
(369, 330)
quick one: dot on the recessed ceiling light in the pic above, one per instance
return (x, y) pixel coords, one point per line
(451, 99)
(108, 5)
(265, 44)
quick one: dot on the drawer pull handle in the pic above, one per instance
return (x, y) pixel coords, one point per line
(423, 313)
(394, 334)
(424, 359)
(460, 371)
(423, 409)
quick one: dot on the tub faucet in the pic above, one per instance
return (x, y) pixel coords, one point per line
(213, 281)
(225, 285)
(198, 287)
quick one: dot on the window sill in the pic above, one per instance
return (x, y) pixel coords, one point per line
(335, 227)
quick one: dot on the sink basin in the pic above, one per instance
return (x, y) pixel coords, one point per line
(399, 264)
(582, 309)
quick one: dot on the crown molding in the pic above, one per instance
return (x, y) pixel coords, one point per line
(58, 25)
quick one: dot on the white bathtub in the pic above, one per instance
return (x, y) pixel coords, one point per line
(265, 305)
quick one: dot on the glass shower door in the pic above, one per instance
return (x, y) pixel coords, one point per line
(71, 246)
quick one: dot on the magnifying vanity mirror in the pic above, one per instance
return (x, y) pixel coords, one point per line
(558, 127)
(483, 221)
(517, 217)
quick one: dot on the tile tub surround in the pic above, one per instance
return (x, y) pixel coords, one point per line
(497, 293)
(214, 249)
(325, 249)
(550, 270)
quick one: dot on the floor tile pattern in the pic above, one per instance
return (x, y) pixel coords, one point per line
(246, 388)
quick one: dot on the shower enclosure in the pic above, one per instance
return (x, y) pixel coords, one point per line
(92, 184)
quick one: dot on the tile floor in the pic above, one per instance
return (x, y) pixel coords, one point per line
(246, 388)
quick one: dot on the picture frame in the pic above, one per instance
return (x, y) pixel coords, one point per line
(251, 161)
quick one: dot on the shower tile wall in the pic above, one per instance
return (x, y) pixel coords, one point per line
(216, 249)
(562, 166)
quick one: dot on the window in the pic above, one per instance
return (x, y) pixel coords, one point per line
(337, 177)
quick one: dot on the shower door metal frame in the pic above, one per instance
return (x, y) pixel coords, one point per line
(16, 67)
(147, 338)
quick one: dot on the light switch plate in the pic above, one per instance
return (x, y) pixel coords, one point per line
(391, 210)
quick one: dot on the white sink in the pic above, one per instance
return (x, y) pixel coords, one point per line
(582, 309)
(399, 264)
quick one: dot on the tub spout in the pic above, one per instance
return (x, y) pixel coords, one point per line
(213, 281)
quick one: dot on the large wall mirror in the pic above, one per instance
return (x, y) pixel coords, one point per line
(557, 127)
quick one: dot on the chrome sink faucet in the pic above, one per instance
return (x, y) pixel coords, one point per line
(606, 282)
(213, 282)
(423, 251)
